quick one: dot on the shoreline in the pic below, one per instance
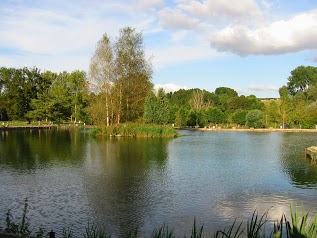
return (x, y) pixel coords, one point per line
(250, 129)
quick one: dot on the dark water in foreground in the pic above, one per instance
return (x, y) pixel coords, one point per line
(71, 179)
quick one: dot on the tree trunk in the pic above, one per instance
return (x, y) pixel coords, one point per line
(107, 110)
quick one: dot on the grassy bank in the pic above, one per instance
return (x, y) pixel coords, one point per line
(136, 130)
(299, 226)
(25, 124)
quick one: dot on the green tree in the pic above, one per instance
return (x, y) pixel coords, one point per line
(192, 118)
(19, 87)
(272, 114)
(299, 112)
(181, 117)
(216, 115)
(156, 108)
(312, 93)
(133, 74)
(286, 105)
(301, 78)
(254, 118)
(78, 93)
(102, 76)
(150, 109)
(239, 116)
(40, 106)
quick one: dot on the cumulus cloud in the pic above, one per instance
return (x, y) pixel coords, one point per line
(263, 87)
(169, 87)
(296, 34)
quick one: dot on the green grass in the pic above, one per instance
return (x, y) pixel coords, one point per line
(136, 130)
(301, 225)
(14, 124)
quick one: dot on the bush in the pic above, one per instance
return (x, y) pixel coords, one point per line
(254, 118)
(136, 130)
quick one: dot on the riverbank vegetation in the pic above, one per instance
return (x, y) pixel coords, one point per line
(136, 130)
(118, 89)
(301, 225)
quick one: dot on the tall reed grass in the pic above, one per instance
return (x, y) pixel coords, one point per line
(301, 225)
(136, 130)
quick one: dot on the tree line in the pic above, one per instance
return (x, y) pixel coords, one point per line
(118, 89)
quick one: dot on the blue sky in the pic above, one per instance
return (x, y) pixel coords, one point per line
(248, 45)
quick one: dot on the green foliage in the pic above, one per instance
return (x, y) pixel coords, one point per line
(254, 118)
(231, 232)
(181, 117)
(68, 233)
(198, 107)
(137, 130)
(197, 232)
(22, 228)
(156, 108)
(300, 226)
(301, 79)
(239, 116)
(32, 95)
(272, 113)
(93, 232)
(215, 115)
(133, 73)
(121, 78)
(162, 232)
(192, 118)
(256, 226)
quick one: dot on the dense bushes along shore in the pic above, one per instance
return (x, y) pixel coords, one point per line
(297, 227)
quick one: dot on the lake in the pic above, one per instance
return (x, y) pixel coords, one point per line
(215, 177)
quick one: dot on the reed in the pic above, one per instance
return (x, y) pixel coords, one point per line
(136, 130)
(301, 225)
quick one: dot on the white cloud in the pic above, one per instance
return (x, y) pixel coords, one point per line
(176, 19)
(222, 9)
(169, 87)
(181, 53)
(47, 32)
(296, 34)
(263, 87)
(148, 4)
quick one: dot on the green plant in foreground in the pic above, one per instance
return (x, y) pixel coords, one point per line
(256, 227)
(300, 228)
(93, 232)
(162, 232)
(68, 233)
(197, 233)
(133, 234)
(231, 232)
(20, 229)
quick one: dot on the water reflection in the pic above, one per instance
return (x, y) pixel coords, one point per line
(121, 183)
(301, 173)
(121, 180)
(29, 149)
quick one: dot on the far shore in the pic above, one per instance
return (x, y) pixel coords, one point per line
(250, 129)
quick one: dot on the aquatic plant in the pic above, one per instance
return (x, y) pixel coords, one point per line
(301, 225)
(22, 228)
(136, 130)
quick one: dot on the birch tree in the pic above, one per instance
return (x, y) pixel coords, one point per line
(102, 72)
(134, 72)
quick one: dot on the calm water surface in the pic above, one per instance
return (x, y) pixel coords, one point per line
(71, 179)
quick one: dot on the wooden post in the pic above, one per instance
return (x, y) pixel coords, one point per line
(52, 234)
